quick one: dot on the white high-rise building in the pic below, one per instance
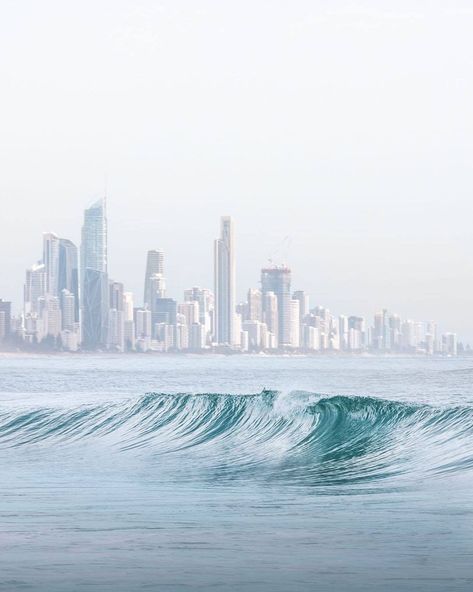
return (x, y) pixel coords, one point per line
(51, 262)
(224, 266)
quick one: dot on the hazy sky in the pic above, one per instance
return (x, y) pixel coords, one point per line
(338, 134)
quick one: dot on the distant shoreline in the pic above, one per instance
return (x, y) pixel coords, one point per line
(211, 354)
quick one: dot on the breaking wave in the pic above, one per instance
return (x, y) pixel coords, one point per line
(300, 437)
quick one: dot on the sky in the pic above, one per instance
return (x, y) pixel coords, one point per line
(338, 134)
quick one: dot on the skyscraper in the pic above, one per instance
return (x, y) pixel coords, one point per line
(95, 289)
(224, 267)
(68, 272)
(51, 262)
(278, 280)
(154, 265)
(94, 238)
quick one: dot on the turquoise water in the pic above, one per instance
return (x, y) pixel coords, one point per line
(269, 474)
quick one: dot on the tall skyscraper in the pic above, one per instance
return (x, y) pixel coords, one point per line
(94, 238)
(224, 267)
(51, 262)
(68, 272)
(278, 280)
(154, 265)
(95, 289)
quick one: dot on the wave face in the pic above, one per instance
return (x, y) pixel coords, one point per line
(300, 437)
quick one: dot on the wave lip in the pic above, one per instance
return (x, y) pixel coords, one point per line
(299, 437)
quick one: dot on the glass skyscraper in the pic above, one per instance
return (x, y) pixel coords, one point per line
(95, 293)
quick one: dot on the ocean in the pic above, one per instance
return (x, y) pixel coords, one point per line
(256, 473)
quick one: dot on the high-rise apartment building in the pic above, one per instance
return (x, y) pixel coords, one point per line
(224, 267)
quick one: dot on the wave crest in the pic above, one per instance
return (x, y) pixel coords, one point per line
(300, 437)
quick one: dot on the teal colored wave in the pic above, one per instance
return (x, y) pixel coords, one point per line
(299, 437)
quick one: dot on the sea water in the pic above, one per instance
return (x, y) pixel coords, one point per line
(274, 474)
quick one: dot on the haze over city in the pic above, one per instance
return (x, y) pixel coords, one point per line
(336, 135)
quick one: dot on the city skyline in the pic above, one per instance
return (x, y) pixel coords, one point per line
(274, 317)
(204, 276)
(349, 136)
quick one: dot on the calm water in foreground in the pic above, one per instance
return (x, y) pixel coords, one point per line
(271, 474)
